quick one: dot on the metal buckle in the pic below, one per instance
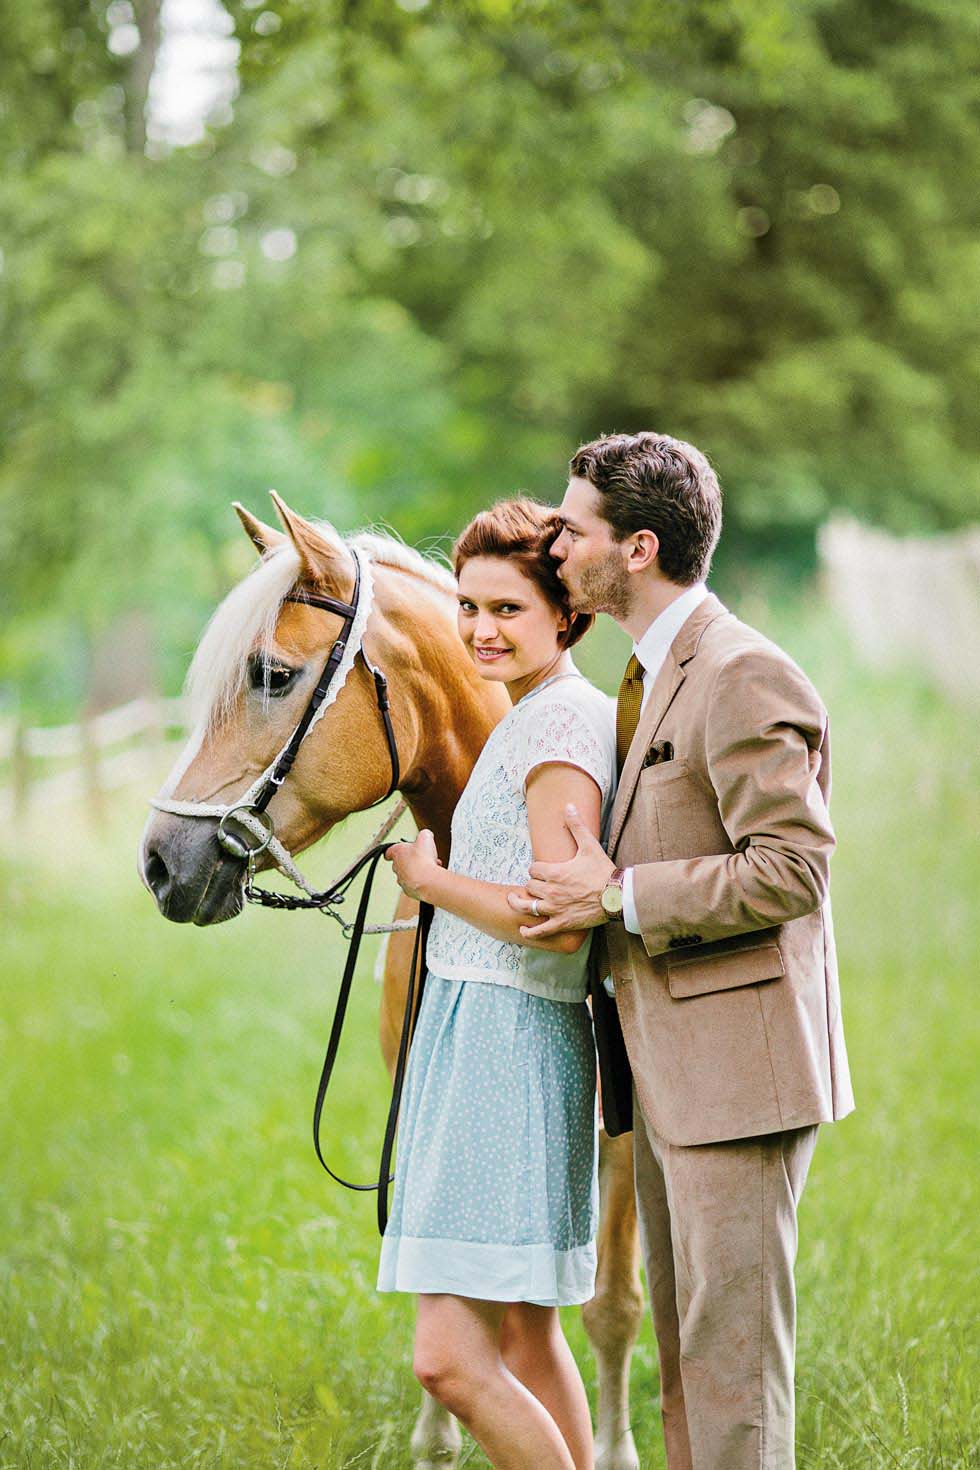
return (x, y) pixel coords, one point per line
(235, 844)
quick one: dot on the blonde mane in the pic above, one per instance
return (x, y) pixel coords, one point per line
(246, 619)
(387, 551)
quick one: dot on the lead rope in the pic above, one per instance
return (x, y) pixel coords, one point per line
(370, 859)
(354, 931)
(413, 1004)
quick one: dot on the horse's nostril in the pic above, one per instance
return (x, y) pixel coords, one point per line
(157, 875)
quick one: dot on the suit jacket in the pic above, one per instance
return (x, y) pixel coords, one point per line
(728, 1001)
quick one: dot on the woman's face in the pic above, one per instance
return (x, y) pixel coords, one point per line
(509, 627)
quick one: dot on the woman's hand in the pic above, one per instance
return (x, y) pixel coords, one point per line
(414, 863)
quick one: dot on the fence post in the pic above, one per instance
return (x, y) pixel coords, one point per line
(157, 728)
(91, 773)
(20, 772)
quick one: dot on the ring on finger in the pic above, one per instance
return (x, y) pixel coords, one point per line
(534, 908)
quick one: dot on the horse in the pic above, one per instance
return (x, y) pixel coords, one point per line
(249, 682)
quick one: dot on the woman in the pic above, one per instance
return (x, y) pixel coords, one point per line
(494, 1208)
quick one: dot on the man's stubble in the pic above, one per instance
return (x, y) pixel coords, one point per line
(603, 587)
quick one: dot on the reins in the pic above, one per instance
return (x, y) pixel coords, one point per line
(249, 815)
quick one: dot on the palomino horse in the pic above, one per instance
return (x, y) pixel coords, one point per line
(250, 681)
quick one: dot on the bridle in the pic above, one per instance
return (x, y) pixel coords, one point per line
(284, 761)
(249, 814)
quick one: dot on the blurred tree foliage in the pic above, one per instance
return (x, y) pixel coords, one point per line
(438, 244)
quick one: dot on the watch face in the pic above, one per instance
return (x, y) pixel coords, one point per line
(612, 900)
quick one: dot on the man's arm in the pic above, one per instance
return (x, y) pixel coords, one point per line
(765, 726)
(485, 904)
(764, 730)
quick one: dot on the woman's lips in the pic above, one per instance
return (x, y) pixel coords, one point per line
(489, 655)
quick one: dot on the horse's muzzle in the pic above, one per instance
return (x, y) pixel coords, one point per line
(193, 879)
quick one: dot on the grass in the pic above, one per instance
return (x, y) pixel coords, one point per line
(180, 1286)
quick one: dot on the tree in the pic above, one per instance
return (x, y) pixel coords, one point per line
(437, 247)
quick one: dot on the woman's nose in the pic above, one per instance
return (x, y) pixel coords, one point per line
(485, 630)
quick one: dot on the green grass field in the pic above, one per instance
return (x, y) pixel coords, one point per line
(181, 1286)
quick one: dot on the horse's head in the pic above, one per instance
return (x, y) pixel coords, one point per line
(250, 682)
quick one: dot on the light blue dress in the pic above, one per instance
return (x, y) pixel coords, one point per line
(495, 1191)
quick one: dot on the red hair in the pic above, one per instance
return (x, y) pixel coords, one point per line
(521, 531)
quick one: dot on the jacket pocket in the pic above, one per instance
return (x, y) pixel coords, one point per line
(705, 974)
(661, 772)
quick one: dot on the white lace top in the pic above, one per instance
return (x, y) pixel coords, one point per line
(564, 719)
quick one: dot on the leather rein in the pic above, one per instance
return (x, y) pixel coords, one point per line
(249, 818)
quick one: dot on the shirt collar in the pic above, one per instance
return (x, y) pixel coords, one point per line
(652, 648)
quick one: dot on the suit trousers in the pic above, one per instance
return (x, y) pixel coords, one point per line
(718, 1232)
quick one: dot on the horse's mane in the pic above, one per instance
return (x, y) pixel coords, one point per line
(390, 552)
(247, 617)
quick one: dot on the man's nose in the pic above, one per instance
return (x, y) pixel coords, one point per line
(556, 548)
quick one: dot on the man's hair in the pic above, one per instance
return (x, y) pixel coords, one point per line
(651, 482)
(521, 531)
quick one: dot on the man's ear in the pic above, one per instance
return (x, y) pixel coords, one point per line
(643, 552)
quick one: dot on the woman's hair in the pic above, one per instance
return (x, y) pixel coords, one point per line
(521, 531)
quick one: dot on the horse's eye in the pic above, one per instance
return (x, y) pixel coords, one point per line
(272, 679)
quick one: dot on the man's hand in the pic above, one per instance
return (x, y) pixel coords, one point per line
(414, 862)
(566, 895)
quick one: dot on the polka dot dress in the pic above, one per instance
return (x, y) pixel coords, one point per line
(495, 1183)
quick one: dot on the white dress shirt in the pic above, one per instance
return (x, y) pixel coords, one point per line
(651, 651)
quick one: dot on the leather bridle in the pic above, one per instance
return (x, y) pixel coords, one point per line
(284, 761)
(249, 814)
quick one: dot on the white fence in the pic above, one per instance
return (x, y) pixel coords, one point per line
(46, 766)
(912, 600)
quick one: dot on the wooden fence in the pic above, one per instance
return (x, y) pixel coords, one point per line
(46, 766)
(909, 600)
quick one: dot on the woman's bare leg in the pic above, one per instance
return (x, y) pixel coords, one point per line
(534, 1348)
(458, 1360)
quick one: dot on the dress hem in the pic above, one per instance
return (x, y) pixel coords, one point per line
(488, 1271)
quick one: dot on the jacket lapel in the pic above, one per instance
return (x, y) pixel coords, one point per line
(666, 685)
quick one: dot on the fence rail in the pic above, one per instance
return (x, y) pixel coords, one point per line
(45, 766)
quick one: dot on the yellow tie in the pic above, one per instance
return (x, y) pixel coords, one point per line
(628, 708)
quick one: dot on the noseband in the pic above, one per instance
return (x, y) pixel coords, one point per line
(249, 814)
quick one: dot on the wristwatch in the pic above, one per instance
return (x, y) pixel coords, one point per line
(611, 897)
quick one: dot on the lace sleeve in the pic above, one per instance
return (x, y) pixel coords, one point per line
(560, 732)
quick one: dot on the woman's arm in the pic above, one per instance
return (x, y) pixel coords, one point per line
(550, 787)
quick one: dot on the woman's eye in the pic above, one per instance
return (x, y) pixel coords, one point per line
(272, 679)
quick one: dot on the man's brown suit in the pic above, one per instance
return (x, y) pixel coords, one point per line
(730, 1013)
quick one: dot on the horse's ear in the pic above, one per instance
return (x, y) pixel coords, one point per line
(261, 535)
(323, 560)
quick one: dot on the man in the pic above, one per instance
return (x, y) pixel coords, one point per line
(714, 902)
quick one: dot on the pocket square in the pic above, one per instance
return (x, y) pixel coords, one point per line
(659, 752)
